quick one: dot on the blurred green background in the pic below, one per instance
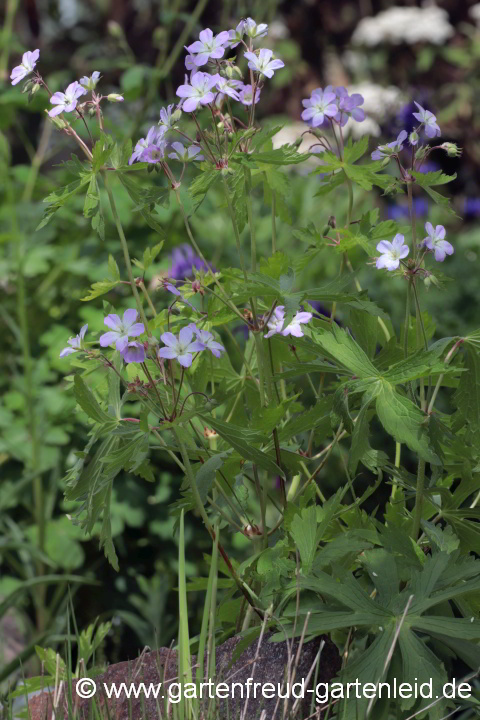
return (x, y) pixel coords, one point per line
(392, 54)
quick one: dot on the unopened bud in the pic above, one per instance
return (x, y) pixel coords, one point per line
(57, 121)
(451, 149)
(176, 115)
(114, 29)
(237, 72)
(92, 112)
(413, 138)
(115, 97)
(421, 152)
(221, 125)
(28, 86)
(229, 71)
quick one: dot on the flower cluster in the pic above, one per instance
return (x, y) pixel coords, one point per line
(202, 88)
(332, 104)
(276, 322)
(392, 253)
(181, 348)
(427, 122)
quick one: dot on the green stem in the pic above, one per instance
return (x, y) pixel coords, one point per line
(274, 224)
(126, 254)
(260, 364)
(407, 319)
(418, 510)
(201, 509)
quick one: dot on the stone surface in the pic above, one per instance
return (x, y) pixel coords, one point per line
(161, 666)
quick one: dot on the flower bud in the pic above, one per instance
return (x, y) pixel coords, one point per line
(28, 86)
(421, 152)
(176, 115)
(451, 149)
(229, 72)
(413, 138)
(92, 112)
(115, 30)
(115, 97)
(57, 121)
(236, 71)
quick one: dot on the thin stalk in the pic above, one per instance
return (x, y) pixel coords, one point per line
(147, 298)
(200, 507)
(126, 254)
(274, 223)
(418, 510)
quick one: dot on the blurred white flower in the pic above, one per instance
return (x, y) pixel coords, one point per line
(474, 13)
(404, 25)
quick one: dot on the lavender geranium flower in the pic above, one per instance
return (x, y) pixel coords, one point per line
(235, 37)
(121, 330)
(254, 31)
(183, 154)
(180, 348)
(392, 252)
(134, 352)
(29, 60)
(263, 63)
(175, 291)
(228, 87)
(144, 143)
(75, 343)
(276, 322)
(190, 65)
(428, 120)
(208, 341)
(209, 46)
(348, 106)
(155, 152)
(198, 92)
(67, 101)
(168, 118)
(435, 241)
(391, 148)
(321, 104)
(90, 83)
(246, 95)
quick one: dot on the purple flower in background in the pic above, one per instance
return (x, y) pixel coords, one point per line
(472, 206)
(90, 83)
(275, 324)
(207, 340)
(75, 343)
(209, 46)
(29, 60)
(392, 252)
(391, 148)
(183, 262)
(198, 92)
(121, 330)
(321, 104)
(228, 87)
(134, 352)
(180, 348)
(429, 166)
(263, 63)
(435, 241)
(246, 95)
(252, 30)
(185, 154)
(428, 120)
(67, 101)
(144, 143)
(395, 211)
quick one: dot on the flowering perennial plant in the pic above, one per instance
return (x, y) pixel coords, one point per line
(292, 391)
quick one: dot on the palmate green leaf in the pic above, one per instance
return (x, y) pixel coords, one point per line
(93, 209)
(360, 448)
(58, 198)
(242, 440)
(106, 540)
(353, 151)
(102, 151)
(467, 397)
(205, 475)
(87, 401)
(421, 364)
(445, 540)
(335, 180)
(145, 200)
(284, 155)
(405, 422)
(201, 185)
(100, 288)
(466, 525)
(340, 345)
(316, 418)
(303, 530)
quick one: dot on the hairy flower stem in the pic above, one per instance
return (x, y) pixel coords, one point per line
(419, 493)
(201, 509)
(126, 254)
(440, 379)
(274, 225)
